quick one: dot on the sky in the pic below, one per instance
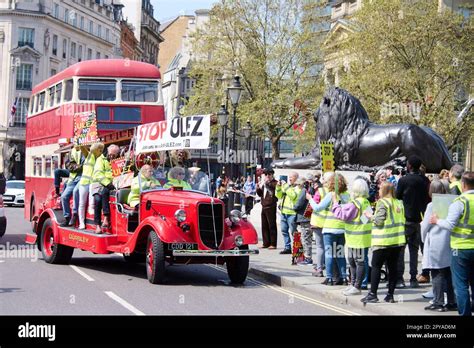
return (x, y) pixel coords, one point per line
(167, 9)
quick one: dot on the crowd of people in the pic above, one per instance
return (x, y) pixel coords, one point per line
(379, 216)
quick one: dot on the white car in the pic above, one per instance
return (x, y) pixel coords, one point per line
(14, 193)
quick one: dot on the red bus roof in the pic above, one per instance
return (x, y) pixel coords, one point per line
(103, 68)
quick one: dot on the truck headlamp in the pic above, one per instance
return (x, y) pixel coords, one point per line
(235, 216)
(180, 215)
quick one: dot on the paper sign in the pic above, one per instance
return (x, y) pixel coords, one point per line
(85, 128)
(327, 157)
(118, 166)
(441, 204)
(124, 180)
(191, 132)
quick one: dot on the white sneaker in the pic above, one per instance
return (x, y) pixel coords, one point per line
(428, 294)
(82, 226)
(348, 288)
(352, 291)
(432, 301)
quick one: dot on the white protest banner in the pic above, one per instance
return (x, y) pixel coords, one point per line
(191, 132)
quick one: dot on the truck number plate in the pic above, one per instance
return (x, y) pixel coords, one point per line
(183, 246)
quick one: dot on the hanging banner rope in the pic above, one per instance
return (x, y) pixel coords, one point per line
(191, 132)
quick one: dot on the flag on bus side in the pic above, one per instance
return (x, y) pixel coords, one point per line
(13, 111)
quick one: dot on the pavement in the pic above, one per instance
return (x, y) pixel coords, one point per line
(277, 269)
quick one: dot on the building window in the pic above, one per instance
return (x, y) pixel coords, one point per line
(53, 72)
(89, 54)
(99, 30)
(66, 16)
(73, 50)
(106, 56)
(74, 19)
(97, 55)
(24, 77)
(21, 112)
(26, 37)
(56, 10)
(55, 45)
(97, 90)
(79, 53)
(107, 34)
(82, 23)
(91, 27)
(64, 48)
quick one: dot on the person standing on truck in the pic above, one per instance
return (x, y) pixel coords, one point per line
(86, 179)
(142, 182)
(74, 167)
(102, 181)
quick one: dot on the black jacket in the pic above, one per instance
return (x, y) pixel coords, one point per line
(412, 189)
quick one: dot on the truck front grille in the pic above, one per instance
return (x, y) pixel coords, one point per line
(211, 227)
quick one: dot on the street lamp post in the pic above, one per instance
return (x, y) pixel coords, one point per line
(234, 93)
(223, 116)
(247, 130)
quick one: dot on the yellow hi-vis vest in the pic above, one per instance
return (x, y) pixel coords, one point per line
(358, 234)
(331, 221)
(289, 196)
(317, 218)
(87, 170)
(457, 183)
(140, 185)
(462, 235)
(393, 230)
(102, 171)
(76, 157)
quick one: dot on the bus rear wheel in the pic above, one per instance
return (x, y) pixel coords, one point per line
(155, 259)
(52, 251)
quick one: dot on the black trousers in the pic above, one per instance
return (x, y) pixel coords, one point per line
(442, 282)
(101, 202)
(379, 257)
(269, 226)
(357, 264)
(248, 205)
(413, 236)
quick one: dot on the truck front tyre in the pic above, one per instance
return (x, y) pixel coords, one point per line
(52, 251)
(237, 267)
(155, 259)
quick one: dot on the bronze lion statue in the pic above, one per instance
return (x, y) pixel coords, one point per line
(362, 145)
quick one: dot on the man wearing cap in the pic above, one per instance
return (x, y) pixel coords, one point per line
(266, 190)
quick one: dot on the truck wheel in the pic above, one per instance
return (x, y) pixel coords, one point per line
(51, 250)
(155, 259)
(134, 257)
(237, 267)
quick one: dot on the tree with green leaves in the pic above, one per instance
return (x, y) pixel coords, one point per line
(272, 45)
(411, 63)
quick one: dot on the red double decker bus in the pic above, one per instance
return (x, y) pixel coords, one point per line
(123, 94)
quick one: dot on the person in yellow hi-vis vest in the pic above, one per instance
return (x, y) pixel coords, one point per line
(358, 232)
(460, 221)
(142, 182)
(455, 175)
(86, 179)
(333, 230)
(74, 167)
(388, 238)
(317, 223)
(288, 194)
(102, 179)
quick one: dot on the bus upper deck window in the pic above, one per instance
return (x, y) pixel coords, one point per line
(59, 89)
(103, 90)
(42, 97)
(140, 91)
(68, 90)
(51, 96)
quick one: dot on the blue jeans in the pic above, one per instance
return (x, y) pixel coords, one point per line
(462, 267)
(72, 189)
(334, 252)
(58, 174)
(288, 225)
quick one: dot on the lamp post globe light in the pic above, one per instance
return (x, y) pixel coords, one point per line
(235, 93)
